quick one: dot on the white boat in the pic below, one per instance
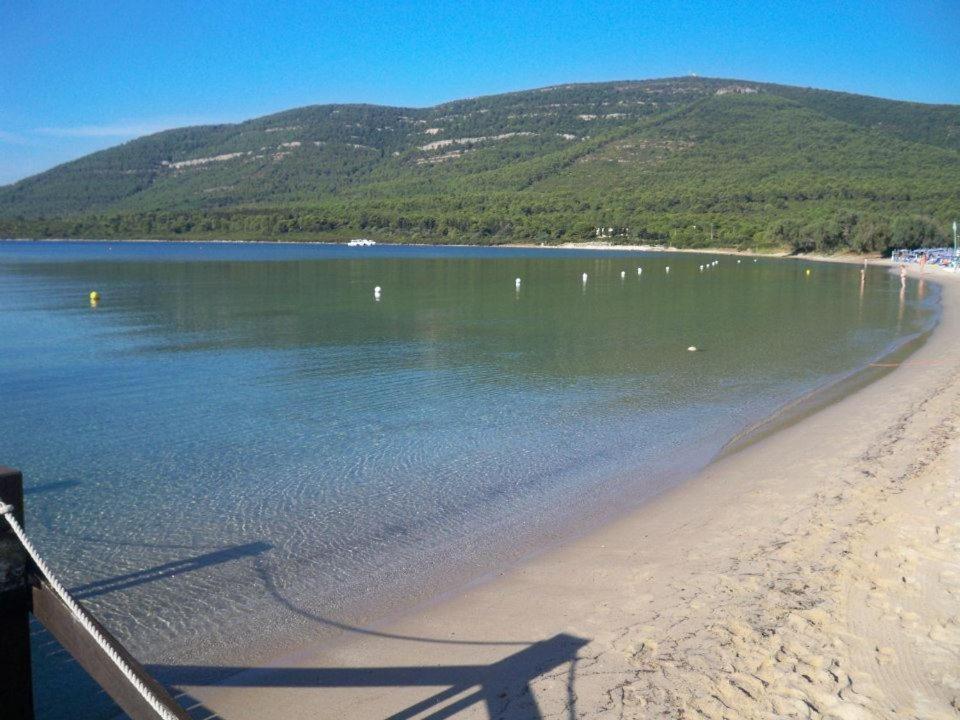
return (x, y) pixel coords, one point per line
(361, 242)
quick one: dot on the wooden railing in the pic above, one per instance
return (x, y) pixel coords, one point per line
(24, 591)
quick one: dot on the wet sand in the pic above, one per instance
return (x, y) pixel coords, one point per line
(814, 573)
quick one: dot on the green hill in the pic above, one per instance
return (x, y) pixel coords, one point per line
(689, 161)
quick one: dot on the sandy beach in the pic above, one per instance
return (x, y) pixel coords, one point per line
(815, 573)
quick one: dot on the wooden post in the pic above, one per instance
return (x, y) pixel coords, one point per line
(16, 687)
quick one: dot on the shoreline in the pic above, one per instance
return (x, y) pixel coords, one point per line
(828, 393)
(869, 259)
(524, 246)
(618, 606)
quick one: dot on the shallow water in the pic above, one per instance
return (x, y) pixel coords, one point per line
(240, 444)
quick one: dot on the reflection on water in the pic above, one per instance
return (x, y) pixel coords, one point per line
(228, 413)
(902, 304)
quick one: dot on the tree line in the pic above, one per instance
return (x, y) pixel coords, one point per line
(840, 231)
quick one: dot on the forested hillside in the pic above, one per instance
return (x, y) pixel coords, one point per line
(685, 161)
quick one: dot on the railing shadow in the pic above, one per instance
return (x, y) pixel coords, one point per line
(169, 569)
(195, 709)
(497, 685)
(51, 487)
(503, 687)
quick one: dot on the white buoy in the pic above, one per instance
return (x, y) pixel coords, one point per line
(754, 259)
(584, 277)
(639, 271)
(738, 262)
(701, 268)
(623, 274)
(517, 282)
(376, 293)
(692, 348)
(668, 268)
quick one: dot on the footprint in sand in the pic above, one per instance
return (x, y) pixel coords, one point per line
(886, 655)
(948, 633)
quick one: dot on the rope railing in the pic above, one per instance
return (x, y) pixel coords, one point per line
(84, 618)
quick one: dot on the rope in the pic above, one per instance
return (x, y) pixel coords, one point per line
(84, 619)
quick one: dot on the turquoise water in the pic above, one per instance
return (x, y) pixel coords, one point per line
(241, 445)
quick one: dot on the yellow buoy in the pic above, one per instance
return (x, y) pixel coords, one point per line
(94, 296)
(807, 272)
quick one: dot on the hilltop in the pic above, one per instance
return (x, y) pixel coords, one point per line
(689, 161)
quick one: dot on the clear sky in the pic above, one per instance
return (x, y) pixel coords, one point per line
(79, 75)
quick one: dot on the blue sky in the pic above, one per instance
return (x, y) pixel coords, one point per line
(79, 75)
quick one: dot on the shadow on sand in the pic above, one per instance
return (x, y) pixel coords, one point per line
(504, 687)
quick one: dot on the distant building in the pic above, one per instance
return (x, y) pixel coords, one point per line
(610, 232)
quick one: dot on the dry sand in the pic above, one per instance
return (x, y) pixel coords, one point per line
(814, 573)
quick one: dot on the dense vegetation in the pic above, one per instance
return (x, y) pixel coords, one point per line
(685, 161)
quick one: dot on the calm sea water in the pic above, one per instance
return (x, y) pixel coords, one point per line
(240, 445)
